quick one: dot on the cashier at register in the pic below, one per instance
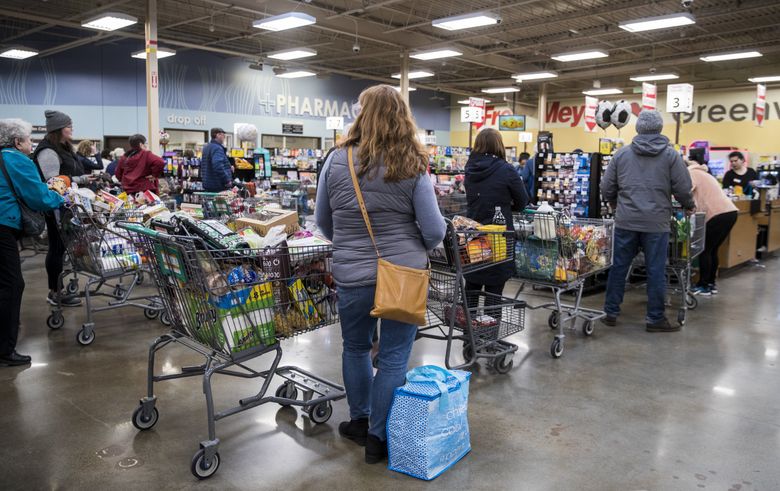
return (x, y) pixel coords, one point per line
(740, 174)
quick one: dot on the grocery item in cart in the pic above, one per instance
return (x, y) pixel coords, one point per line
(544, 222)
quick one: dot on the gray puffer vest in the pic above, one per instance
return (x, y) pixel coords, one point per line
(391, 211)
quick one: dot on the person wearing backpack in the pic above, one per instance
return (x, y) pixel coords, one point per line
(19, 181)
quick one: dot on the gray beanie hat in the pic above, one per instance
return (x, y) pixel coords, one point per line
(649, 122)
(56, 120)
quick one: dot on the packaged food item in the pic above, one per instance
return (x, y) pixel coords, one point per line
(252, 238)
(214, 233)
(464, 223)
(479, 250)
(303, 302)
(263, 221)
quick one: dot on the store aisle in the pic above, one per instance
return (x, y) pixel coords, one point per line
(624, 409)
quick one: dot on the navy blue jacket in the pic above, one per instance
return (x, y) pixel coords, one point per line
(490, 181)
(215, 168)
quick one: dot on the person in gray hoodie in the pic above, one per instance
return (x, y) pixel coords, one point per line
(639, 183)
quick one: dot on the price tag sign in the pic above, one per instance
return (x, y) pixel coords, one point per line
(679, 98)
(472, 114)
(526, 137)
(476, 102)
(334, 123)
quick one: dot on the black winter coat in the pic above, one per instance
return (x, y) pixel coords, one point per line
(490, 181)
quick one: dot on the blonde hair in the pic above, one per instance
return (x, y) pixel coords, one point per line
(386, 134)
(85, 148)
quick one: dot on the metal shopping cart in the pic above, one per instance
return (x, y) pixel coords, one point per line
(559, 252)
(232, 306)
(686, 243)
(481, 320)
(451, 204)
(111, 262)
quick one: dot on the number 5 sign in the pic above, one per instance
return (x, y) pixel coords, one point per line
(679, 98)
(472, 114)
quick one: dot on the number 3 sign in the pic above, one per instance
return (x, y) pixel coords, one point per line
(679, 98)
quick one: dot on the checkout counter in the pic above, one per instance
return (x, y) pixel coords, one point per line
(753, 215)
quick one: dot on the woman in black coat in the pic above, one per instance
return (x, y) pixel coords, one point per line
(490, 182)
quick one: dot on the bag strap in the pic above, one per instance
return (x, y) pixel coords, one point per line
(10, 182)
(435, 375)
(361, 203)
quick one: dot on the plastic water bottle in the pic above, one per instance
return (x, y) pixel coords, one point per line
(498, 217)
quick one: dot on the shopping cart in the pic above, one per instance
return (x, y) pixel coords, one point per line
(686, 243)
(232, 306)
(451, 204)
(559, 252)
(111, 262)
(481, 320)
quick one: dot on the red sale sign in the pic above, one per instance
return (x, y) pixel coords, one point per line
(649, 96)
(591, 103)
(760, 104)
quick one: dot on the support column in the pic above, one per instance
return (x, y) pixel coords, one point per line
(542, 107)
(405, 76)
(152, 78)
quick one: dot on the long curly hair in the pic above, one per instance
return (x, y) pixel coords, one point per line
(386, 134)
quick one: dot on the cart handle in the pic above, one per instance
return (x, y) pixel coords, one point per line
(140, 229)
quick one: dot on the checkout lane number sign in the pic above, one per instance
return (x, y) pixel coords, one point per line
(679, 98)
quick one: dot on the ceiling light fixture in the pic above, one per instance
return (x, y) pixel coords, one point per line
(655, 77)
(292, 54)
(415, 74)
(522, 77)
(18, 53)
(110, 21)
(594, 92)
(467, 102)
(500, 90)
(660, 22)
(580, 55)
(435, 54)
(731, 56)
(296, 74)
(411, 89)
(161, 53)
(467, 21)
(759, 80)
(282, 22)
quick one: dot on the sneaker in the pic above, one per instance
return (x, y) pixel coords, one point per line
(376, 450)
(355, 430)
(714, 289)
(609, 320)
(65, 300)
(14, 359)
(661, 326)
(703, 291)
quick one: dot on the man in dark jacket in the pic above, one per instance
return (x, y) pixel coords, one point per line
(215, 168)
(640, 182)
(139, 168)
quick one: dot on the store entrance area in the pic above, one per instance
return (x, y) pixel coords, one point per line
(626, 410)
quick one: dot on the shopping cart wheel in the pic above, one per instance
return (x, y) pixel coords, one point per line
(552, 321)
(151, 313)
(681, 314)
(468, 353)
(165, 318)
(55, 320)
(85, 339)
(139, 279)
(119, 292)
(145, 421)
(503, 363)
(691, 301)
(320, 413)
(556, 349)
(587, 328)
(73, 286)
(202, 469)
(287, 390)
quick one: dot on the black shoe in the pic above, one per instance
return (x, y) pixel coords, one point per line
(14, 359)
(661, 326)
(65, 300)
(355, 430)
(376, 450)
(609, 320)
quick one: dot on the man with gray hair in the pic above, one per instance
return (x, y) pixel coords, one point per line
(639, 183)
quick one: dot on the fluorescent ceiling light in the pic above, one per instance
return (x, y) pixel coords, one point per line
(654, 77)
(757, 80)
(18, 53)
(726, 391)
(415, 74)
(602, 92)
(110, 21)
(161, 53)
(580, 55)
(534, 76)
(292, 54)
(411, 89)
(467, 21)
(467, 102)
(731, 56)
(500, 90)
(770, 353)
(435, 54)
(296, 74)
(660, 22)
(282, 22)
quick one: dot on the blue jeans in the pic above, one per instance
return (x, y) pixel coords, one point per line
(655, 246)
(370, 396)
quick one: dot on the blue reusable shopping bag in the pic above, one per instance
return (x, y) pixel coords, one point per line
(428, 426)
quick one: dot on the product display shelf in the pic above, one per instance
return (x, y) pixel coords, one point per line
(564, 181)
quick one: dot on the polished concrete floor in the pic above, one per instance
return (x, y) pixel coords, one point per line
(622, 410)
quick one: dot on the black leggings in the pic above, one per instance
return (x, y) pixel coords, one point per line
(11, 289)
(718, 229)
(56, 254)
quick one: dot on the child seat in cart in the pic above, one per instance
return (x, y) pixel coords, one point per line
(556, 251)
(234, 304)
(480, 320)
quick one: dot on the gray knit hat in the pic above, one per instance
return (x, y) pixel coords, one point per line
(56, 120)
(649, 122)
